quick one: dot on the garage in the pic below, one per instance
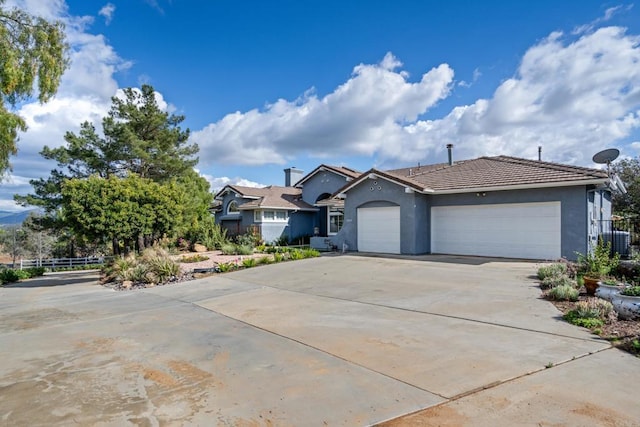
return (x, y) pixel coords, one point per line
(379, 229)
(514, 230)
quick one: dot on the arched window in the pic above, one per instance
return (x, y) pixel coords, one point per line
(232, 208)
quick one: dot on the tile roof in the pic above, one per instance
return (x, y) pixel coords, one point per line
(498, 171)
(273, 196)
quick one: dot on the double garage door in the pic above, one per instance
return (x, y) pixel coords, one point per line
(515, 230)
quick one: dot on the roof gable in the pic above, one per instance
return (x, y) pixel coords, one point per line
(271, 197)
(346, 172)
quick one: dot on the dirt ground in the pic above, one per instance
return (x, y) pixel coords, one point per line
(620, 332)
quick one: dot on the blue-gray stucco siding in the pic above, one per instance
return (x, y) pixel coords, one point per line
(415, 212)
(323, 182)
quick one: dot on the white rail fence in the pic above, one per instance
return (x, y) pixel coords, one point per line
(61, 262)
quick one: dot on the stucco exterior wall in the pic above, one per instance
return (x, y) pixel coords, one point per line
(573, 205)
(323, 182)
(234, 223)
(413, 221)
(415, 213)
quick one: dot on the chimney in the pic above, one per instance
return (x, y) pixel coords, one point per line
(539, 153)
(292, 175)
(449, 148)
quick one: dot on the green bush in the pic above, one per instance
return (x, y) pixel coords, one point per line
(35, 271)
(296, 254)
(244, 250)
(227, 266)
(554, 281)
(563, 293)
(310, 253)
(264, 260)
(249, 262)
(235, 249)
(589, 322)
(9, 275)
(633, 291)
(228, 249)
(163, 269)
(556, 269)
(278, 257)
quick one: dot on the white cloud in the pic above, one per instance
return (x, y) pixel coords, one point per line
(572, 95)
(360, 117)
(217, 183)
(107, 12)
(573, 98)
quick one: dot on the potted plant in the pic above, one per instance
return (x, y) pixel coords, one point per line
(627, 303)
(596, 265)
(609, 288)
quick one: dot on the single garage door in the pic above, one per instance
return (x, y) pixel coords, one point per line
(515, 230)
(379, 229)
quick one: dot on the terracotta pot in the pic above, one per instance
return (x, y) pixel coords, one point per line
(590, 284)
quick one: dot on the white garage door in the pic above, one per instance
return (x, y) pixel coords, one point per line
(379, 230)
(518, 230)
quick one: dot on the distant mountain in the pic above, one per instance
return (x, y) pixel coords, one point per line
(14, 218)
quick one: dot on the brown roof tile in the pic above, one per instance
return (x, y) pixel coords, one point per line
(499, 171)
(271, 197)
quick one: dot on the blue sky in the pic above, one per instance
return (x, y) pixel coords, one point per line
(267, 85)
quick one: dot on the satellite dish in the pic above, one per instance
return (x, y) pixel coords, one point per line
(607, 156)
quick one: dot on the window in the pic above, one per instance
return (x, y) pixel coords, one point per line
(268, 215)
(273, 216)
(336, 219)
(232, 208)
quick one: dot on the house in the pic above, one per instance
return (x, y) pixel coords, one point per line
(300, 209)
(489, 206)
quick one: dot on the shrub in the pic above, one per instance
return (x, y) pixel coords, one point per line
(35, 271)
(563, 293)
(281, 241)
(278, 257)
(310, 253)
(265, 260)
(556, 269)
(163, 268)
(228, 249)
(244, 250)
(9, 275)
(633, 291)
(589, 323)
(553, 281)
(249, 262)
(251, 238)
(296, 254)
(136, 274)
(227, 266)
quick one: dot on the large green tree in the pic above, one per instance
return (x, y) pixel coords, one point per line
(137, 137)
(33, 53)
(131, 211)
(629, 172)
(140, 146)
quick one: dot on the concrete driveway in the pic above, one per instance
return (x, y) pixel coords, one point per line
(346, 340)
